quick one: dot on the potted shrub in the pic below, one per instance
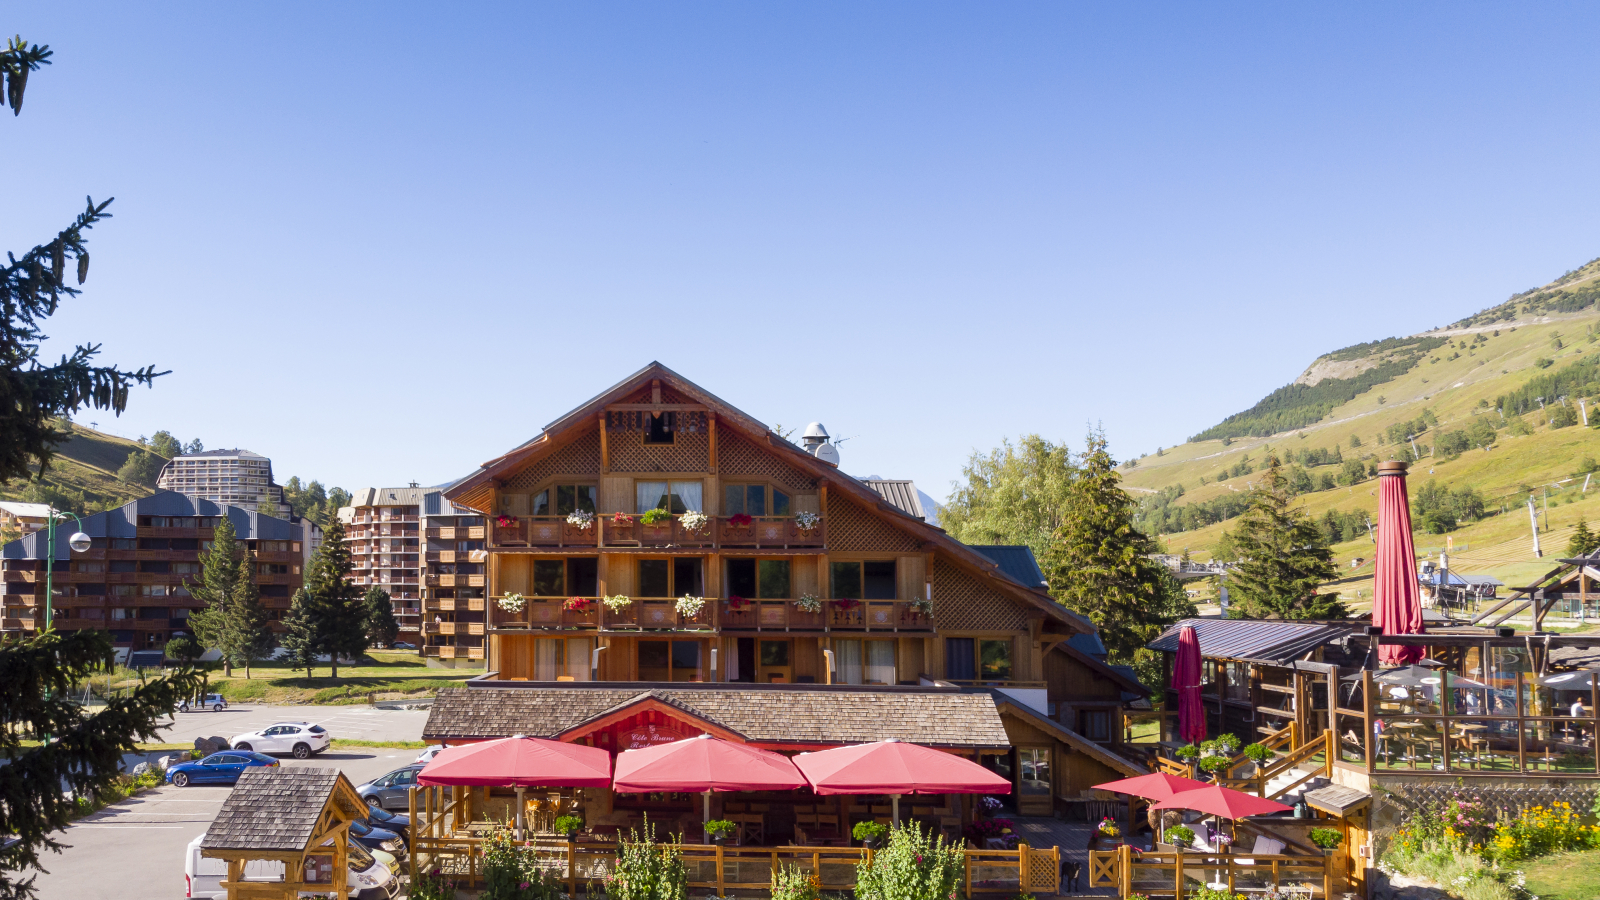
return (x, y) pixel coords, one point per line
(1258, 754)
(1180, 835)
(1229, 744)
(621, 527)
(869, 833)
(1216, 766)
(1208, 748)
(718, 830)
(1187, 753)
(1328, 839)
(568, 825)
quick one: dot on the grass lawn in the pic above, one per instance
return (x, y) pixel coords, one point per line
(381, 673)
(1565, 876)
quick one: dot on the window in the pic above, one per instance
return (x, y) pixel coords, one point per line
(659, 429)
(1094, 724)
(753, 500)
(1034, 765)
(676, 497)
(126, 544)
(670, 577)
(575, 577)
(549, 578)
(863, 662)
(870, 580)
(556, 659)
(569, 499)
(972, 659)
(765, 579)
(669, 660)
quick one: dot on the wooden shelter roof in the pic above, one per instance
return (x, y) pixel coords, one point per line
(1336, 799)
(277, 809)
(477, 489)
(935, 718)
(1072, 738)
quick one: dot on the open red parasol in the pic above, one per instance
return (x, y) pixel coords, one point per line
(1228, 803)
(1396, 604)
(701, 764)
(1186, 681)
(519, 762)
(1155, 786)
(894, 767)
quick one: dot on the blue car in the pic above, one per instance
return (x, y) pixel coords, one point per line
(218, 768)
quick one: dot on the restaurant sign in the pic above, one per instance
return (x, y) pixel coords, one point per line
(643, 736)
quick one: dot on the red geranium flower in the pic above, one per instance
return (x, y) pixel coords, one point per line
(740, 520)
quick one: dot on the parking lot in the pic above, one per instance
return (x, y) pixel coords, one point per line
(134, 849)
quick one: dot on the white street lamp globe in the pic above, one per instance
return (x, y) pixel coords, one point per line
(79, 542)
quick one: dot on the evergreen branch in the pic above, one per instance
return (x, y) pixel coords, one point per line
(16, 61)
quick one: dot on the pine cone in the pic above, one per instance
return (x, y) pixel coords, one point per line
(58, 261)
(15, 85)
(83, 265)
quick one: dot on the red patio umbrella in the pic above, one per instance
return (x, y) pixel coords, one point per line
(895, 767)
(704, 764)
(1186, 680)
(1215, 800)
(1155, 786)
(520, 762)
(1396, 606)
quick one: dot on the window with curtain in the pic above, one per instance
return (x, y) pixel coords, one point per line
(568, 499)
(847, 662)
(754, 500)
(880, 662)
(556, 659)
(863, 662)
(676, 497)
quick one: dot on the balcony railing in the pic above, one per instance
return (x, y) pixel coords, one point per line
(591, 614)
(761, 532)
(651, 614)
(435, 580)
(835, 615)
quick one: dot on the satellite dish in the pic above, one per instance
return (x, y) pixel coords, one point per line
(828, 453)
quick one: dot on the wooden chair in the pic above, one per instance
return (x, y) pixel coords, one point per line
(761, 807)
(733, 807)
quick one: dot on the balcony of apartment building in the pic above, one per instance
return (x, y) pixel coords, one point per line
(451, 579)
(730, 614)
(700, 532)
(453, 604)
(456, 533)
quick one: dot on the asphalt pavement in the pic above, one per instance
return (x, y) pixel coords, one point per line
(133, 850)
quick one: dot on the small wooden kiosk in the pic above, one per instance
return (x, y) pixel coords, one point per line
(298, 817)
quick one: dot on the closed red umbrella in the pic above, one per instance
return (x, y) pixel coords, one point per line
(1396, 604)
(704, 764)
(1186, 681)
(1215, 800)
(894, 767)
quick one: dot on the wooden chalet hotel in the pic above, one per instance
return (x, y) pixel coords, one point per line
(774, 601)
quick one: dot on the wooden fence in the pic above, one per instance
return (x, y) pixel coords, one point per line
(1179, 875)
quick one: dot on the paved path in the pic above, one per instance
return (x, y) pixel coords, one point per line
(133, 850)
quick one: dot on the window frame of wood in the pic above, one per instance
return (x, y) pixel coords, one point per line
(835, 567)
(769, 499)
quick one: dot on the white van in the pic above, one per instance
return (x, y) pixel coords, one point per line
(370, 879)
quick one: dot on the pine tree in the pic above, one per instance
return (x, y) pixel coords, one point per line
(249, 629)
(1283, 557)
(300, 637)
(1098, 563)
(1583, 541)
(220, 571)
(339, 612)
(382, 628)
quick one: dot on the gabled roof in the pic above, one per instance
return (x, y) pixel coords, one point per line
(277, 809)
(123, 522)
(390, 496)
(1253, 639)
(1017, 562)
(821, 716)
(902, 494)
(476, 489)
(1071, 738)
(16, 508)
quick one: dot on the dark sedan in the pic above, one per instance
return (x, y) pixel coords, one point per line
(218, 768)
(377, 839)
(378, 817)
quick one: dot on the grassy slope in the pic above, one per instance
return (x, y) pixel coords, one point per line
(88, 462)
(1565, 876)
(388, 674)
(1499, 545)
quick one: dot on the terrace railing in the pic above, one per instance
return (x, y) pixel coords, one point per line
(1179, 874)
(760, 533)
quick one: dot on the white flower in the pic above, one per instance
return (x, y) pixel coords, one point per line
(580, 518)
(808, 603)
(694, 520)
(805, 521)
(511, 603)
(689, 607)
(618, 603)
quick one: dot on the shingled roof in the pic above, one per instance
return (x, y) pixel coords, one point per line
(941, 719)
(273, 809)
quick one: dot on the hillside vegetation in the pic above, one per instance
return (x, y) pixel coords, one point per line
(82, 476)
(1489, 410)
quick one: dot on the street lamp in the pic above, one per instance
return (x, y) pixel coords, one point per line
(79, 542)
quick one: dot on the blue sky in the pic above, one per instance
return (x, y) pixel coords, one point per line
(385, 242)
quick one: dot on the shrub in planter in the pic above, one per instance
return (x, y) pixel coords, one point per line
(793, 883)
(655, 516)
(1188, 751)
(567, 825)
(1181, 835)
(1207, 748)
(1326, 838)
(1216, 765)
(1257, 753)
(719, 829)
(869, 832)
(1229, 743)
(914, 865)
(646, 870)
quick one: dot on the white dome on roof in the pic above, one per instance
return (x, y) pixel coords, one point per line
(815, 430)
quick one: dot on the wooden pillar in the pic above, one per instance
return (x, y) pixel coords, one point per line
(1366, 718)
(411, 800)
(605, 452)
(711, 430)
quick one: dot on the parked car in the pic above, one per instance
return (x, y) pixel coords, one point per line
(402, 645)
(373, 838)
(391, 791)
(213, 702)
(218, 768)
(427, 755)
(398, 823)
(370, 878)
(299, 738)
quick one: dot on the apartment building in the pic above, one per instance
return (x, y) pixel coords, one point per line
(236, 478)
(429, 555)
(133, 580)
(22, 518)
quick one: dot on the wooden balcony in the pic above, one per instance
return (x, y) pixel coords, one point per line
(648, 614)
(458, 533)
(760, 533)
(835, 615)
(433, 580)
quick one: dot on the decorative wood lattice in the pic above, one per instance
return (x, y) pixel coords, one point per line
(963, 603)
(581, 457)
(1044, 872)
(668, 395)
(691, 422)
(687, 453)
(738, 458)
(852, 527)
(1504, 802)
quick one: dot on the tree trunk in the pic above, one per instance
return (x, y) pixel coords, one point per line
(227, 666)
(333, 658)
